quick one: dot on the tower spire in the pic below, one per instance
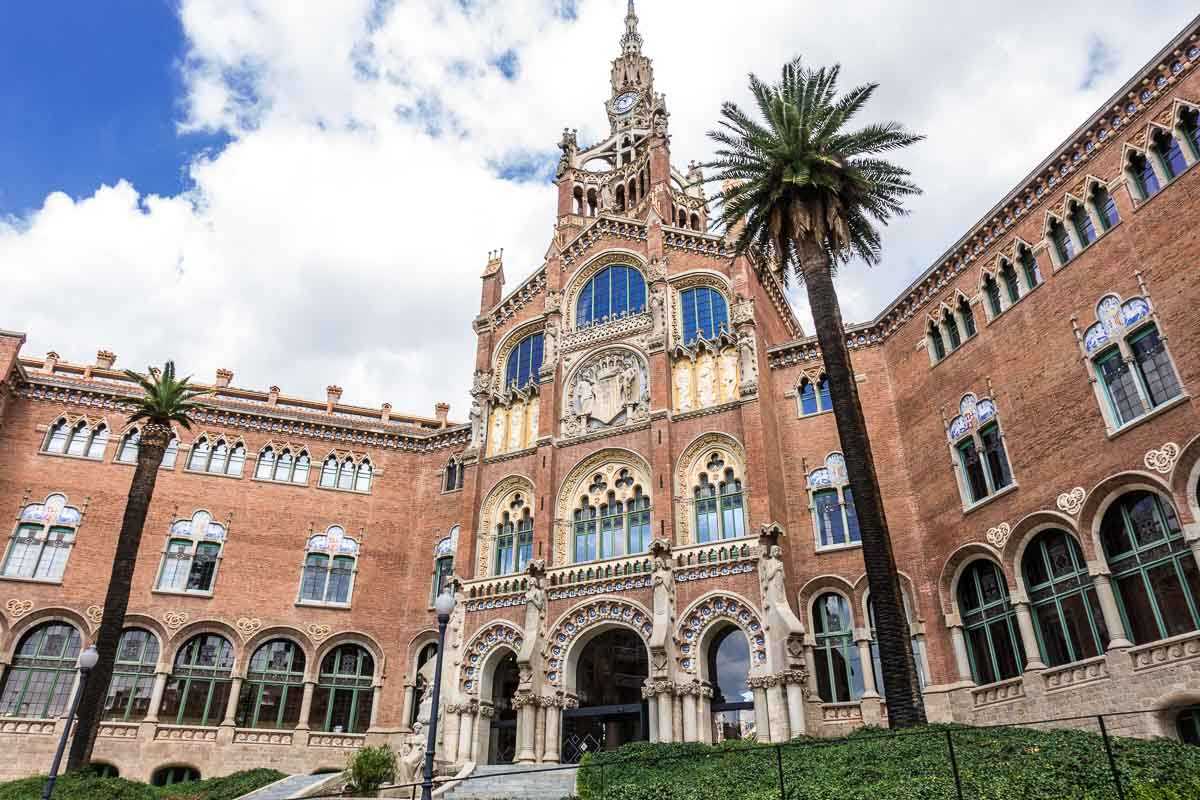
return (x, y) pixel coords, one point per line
(631, 42)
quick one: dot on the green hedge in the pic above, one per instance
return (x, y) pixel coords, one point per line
(85, 786)
(994, 764)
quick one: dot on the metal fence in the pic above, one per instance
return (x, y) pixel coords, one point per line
(956, 762)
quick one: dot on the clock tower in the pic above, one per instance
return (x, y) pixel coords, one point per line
(632, 81)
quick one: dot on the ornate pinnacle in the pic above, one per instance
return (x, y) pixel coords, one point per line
(631, 42)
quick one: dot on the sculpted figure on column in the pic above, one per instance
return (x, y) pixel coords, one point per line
(550, 348)
(412, 754)
(663, 581)
(658, 312)
(533, 634)
(773, 586)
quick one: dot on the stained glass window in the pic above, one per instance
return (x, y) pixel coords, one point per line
(524, 362)
(1066, 612)
(994, 647)
(330, 562)
(189, 563)
(344, 694)
(128, 697)
(42, 542)
(39, 680)
(611, 293)
(197, 692)
(705, 313)
(273, 690)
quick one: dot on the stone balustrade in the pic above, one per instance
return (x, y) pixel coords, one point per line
(347, 741)
(841, 713)
(715, 559)
(186, 733)
(602, 577)
(1167, 651)
(118, 730)
(999, 692)
(1076, 674)
(35, 727)
(257, 736)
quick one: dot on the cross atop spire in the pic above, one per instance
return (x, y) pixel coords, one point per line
(631, 42)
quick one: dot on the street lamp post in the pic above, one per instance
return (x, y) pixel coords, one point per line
(87, 661)
(443, 605)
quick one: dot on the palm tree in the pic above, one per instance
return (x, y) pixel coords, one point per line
(165, 400)
(805, 192)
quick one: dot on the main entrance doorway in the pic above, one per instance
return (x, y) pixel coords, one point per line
(608, 680)
(502, 743)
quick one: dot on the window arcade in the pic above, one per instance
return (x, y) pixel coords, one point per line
(197, 691)
(81, 438)
(39, 680)
(720, 508)
(193, 553)
(977, 445)
(346, 474)
(452, 480)
(129, 692)
(127, 450)
(42, 542)
(217, 458)
(704, 312)
(618, 524)
(273, 691)
(994, 648)
(514, 538)
(831, 503)
(838, 663)
(330, 563)
(814, 398)
(524, 362)
(1128, 357)
(1067, 619)
(283, 464)
(611, 293)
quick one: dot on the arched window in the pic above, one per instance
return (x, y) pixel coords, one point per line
(274, 687)
(1064, 246)
(1154, 573)
(218, 458)
(966, 316)
(514, 538)
(1029, 264)
(705, 313)
(346, 475)
(839, 668)
(524, 362)
(170, 454)
(918, 647)
(282, 465)
(814, 397)
(1188, 725)
(420, 686)
(1066, 614)
(937, 345)
(989, 624)
(132, 683)
(197, 692)
(344, 693)
(831, 503)
(951, 328)
(443, 562)
(42, 541)
(732, 700)
(454, 476)
(1130, 361)
(127, 451)
(169, 776)
(1104, 206)
(1008, 276)
(1145, 179)
(102, 770)
(79, 439)
(189, 564)
(991, 290)
(330, 563)
(39, 680)
(1170, 154)
(720, 509)
(1082, 223)
(611, 293)
(978, 448)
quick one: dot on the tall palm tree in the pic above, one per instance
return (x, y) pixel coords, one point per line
(165, 400)
(806, 192)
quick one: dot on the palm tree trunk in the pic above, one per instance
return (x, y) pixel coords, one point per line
(153, 443)
(905, 705)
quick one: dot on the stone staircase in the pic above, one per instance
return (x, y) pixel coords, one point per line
(289, 787)
(515, 782)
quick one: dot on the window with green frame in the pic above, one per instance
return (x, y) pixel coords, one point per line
(1029, 263)
(936, 342)
(1066, 612)
(991, 290)
(1154, 572)
(839, 668)
(39, 680)
(615, 528)
(169, 776)
(914, 641)
(514, 538)
(1188, 725)
(132, 683)
(1008, 277)
(720, 509)
(193, 554)
(983, 463)
(273, 691)
(344, 692)
(989, 624)
(197, 691)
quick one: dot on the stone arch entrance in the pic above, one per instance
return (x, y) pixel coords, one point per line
(607, 678)
(502, 739)
(726, 668)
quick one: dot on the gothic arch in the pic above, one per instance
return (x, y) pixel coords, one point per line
(511, 339)
(1105, 493)
(691, 463)
(479, 656)
(497, 497)
(49, 614)
(1024, 532)
(241, 661)
(610, 257)
(364, 640)
(704, 618)
(576, 627)
(607, 462)
(957, 563)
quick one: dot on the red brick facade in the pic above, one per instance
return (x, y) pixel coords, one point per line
(675, 404)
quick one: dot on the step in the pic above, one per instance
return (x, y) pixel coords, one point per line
(513, 781)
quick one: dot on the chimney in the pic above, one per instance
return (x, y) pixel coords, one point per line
(50, 362)
(442, 411)
(273, 395)
(105, 359)
(224, 376)
(385, 413)
(332, 395)
(493, 281)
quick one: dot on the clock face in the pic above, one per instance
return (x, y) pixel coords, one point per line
(624, 102)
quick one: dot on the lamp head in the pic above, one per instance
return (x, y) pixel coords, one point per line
(89, 658)
(444, 606)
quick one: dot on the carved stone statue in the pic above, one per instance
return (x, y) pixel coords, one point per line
(412, 754)
(549, 346)
(553, 301)
(606, 198)
(477, 428)
(611, 389)
(748, 358)
(774, 591)
(663, 582)
(629, 385)
(454, 641)
(660, 122)
(658, 312)
(535, 613)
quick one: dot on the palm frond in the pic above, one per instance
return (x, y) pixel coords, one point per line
(165, 399)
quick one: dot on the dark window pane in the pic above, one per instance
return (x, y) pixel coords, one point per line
(1155, 367)
(972, 467)
(1139, 611)
(1118, 383)
(997, 459)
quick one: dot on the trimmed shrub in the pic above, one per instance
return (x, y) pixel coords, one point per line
(85, 785)
(369, 768)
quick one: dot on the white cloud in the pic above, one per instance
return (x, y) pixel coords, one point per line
(339, 237)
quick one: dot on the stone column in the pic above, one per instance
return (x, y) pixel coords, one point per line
(704, 715)
(652, 713)
(794, 686)
(525, 722)
(778, 711)
(539, 730)
(553, 717)
(666, 725)
(1033, 654)
(235, 691)
(406, 714)
(306, 705)
(376, 694)
(466, 729)
(483, 731)
(1191, 534)
(450, 736)
(156, 694)
(863, 641)
(676, 718)
(960, 652)
(762, 721)
(1117, 636)
(689, 717)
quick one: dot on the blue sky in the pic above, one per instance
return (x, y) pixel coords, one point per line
(306, 192)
